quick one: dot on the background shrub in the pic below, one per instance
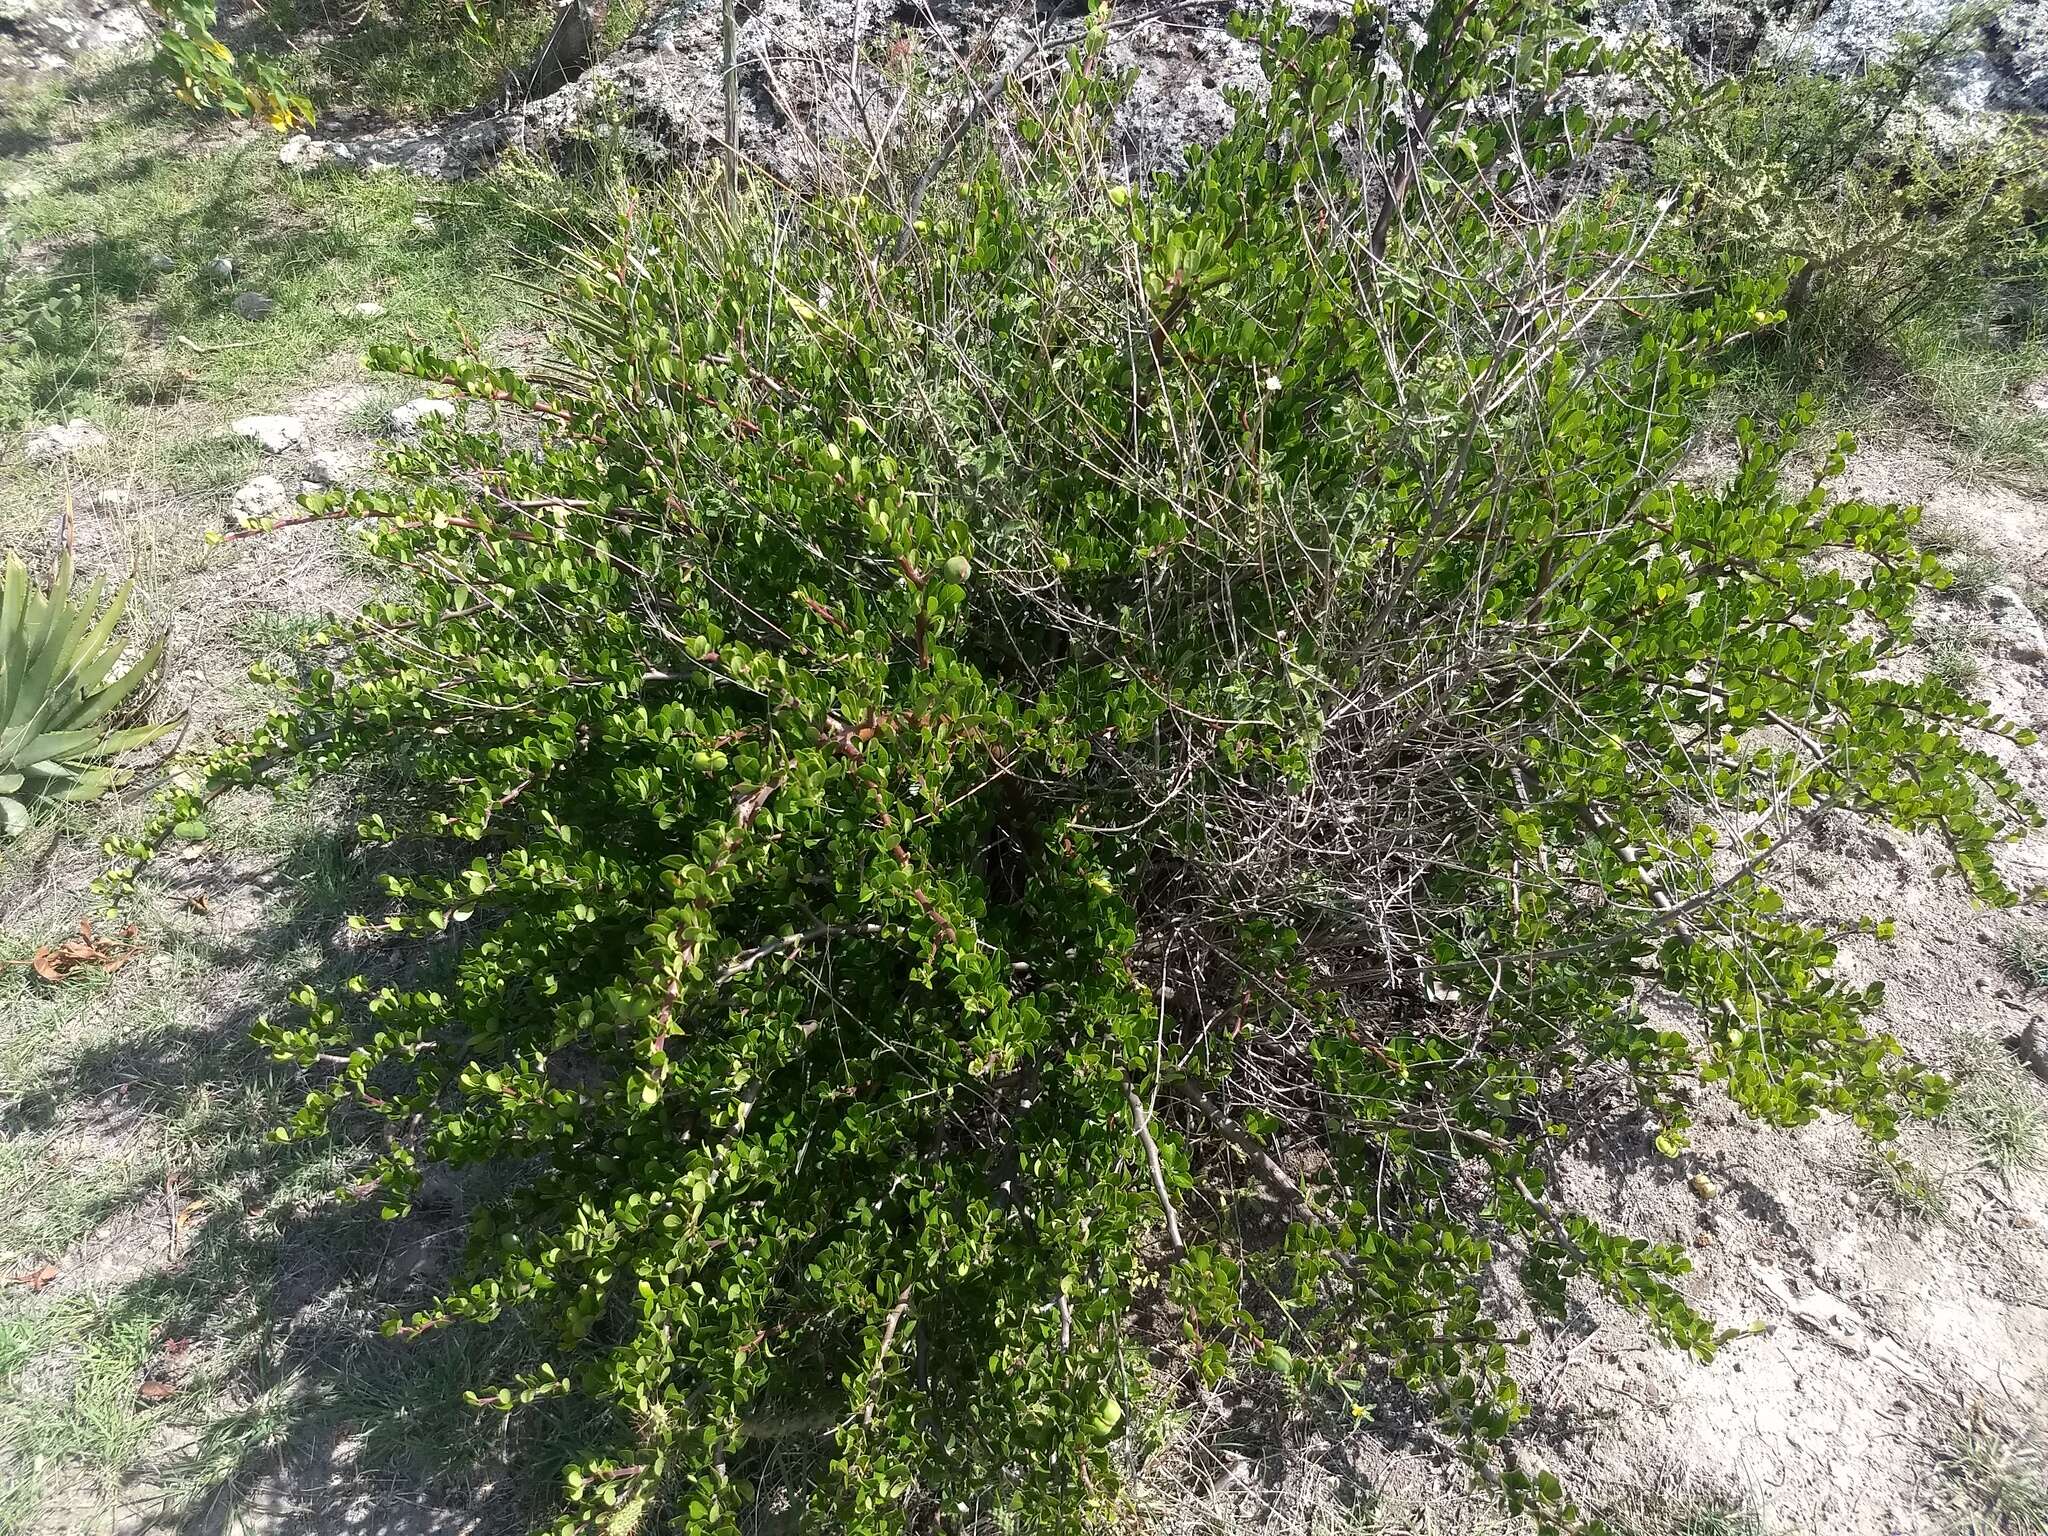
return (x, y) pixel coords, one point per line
(1877, 210)
(1031, 790)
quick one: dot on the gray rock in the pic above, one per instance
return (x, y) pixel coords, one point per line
(253, 305)
(159, 262)
(220, 269)
(369, 309)
(61, 440)
(407, 417)
(2000, 65)
(263, 497)
(303, 151)
(329, 469)
(2015, 631)
(113, 498)
(661, 95)
(273, 434)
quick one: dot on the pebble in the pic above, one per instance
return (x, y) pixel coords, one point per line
(220, 269)
(113, 499)
(273, 434)
(407, 417)
(60, 440)
(159, 262)
(369, 309)
(1704, 1187)
(261, 498)
(253, 305)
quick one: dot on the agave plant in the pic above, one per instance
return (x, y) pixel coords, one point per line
(56, 659)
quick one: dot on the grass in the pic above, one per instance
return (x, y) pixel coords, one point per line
(1997, 1107)
(1969, 373)
(2024, 957)
(1687, 1516)
(1999, 1485)
(133, 1095)
(1972, 575)
(1954, 663)
(1959, 374)
(75, 1419)
(416, 59)
(1901, 1185)
(125, 1087)
(123, 186)
(268, 635)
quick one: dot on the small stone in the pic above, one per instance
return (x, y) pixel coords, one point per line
(369, 309)
(220, 269)
(423, 222)
(263, 497)
(162, 263)
(1704, 1187)
(113, 499)
(330, 468)
(273, 434)
(407, 417)
(253, 305)
(60, 440)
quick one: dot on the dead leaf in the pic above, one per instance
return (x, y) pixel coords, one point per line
(86, 952)
(196, 902)
(156, 1391)
(174, 1349)
(35, 1279)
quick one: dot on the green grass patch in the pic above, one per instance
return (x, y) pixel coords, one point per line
(130, 203)
(417, 59)
(71, 1409)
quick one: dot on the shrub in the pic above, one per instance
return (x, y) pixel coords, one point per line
(1847, 188)
(1035, 789)
(60, 690)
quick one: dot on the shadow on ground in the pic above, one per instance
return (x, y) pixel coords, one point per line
(284, 1407)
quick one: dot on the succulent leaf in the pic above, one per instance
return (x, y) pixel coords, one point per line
(57, 654)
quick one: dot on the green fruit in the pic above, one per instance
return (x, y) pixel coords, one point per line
(1108, 1414)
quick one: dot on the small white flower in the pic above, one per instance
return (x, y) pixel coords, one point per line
(1273, 383)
